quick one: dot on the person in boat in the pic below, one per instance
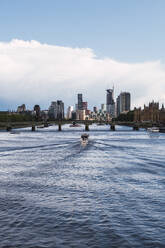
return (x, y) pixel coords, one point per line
(84, 136)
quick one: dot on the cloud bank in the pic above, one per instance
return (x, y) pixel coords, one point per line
(31, 72)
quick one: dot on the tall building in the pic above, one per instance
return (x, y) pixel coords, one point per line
(69, 112)
(60, 110)
(56, 110)
(76, 106)
(123, 102)
(52, 112)
(103, 107)
(118, 106)
(80, 101)
(80, 114)
(21, 109)
(110, 103)
(95, 109)
(84, 105)
(73, 115)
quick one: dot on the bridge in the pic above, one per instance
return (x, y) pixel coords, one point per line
(8, 126)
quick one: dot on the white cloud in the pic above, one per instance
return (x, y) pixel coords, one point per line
(31, 72)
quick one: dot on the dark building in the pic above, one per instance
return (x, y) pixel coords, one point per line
(73, 115)
(118, 106)
(60, 110)
(80, 107)
(110, 97)
(52, 111)
(95, 109)
(123, 103)
(126, 101)
(110, 103)
(56, 110)
(80, 102)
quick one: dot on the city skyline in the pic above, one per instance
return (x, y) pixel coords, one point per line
(113, 98)
(81, 111)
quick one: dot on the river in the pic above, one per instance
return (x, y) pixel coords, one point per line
(56, 193)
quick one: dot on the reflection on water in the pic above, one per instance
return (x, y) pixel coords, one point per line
(54, 192)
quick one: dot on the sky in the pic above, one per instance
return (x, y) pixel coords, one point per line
(52, 50)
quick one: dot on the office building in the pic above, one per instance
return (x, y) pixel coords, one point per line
(103, 107)
(56, 110)
(52, 112)
(80, 101)
(110, 103)
(21, 109)
(69, 112)
(81, 108)
(80, 114)
(84, 105)
(123, 103)
(95, 109)
(60, 110)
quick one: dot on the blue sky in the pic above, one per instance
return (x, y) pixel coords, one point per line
(125, 38)
(127, 30)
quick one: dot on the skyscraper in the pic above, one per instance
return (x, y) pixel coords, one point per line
(95, 109)
(103, 107)
(123, 102)
(118, 106)
(84, 105)
(80, 101)
(69, 112)
(21, 109)
(56, 110)
(110, 96)
(60, 110)
(52, 112)
(110, 103)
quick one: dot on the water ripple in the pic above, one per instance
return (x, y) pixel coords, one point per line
(56, 193)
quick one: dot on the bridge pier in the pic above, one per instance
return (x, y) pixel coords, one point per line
(87, 127)
(33, 128)
(136, 128)
(112, 127)
(59, 127)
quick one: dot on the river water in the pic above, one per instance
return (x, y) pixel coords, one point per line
(56, 193)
